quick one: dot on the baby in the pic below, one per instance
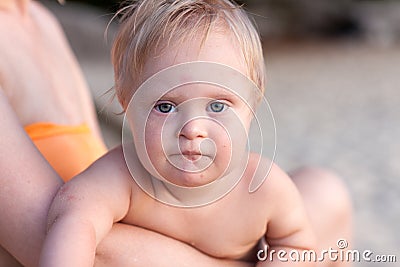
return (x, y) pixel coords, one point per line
(190, 142)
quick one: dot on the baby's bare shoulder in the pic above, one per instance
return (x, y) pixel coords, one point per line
(262, 173)
(270, 181)
(109, 172)
(111, 163)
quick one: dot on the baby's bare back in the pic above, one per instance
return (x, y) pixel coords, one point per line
(38, 71)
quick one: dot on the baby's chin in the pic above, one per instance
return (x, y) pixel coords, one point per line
(190, 180)
(191, 170)
(194, 164)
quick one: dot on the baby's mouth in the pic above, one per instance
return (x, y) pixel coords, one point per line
(190, 160)
(192, 155)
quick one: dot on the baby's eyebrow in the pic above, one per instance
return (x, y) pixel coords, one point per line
(179, 96)
(226, 95)
(173, 94)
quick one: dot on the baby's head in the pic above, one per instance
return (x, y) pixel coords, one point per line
(195, 132)
(150, 28)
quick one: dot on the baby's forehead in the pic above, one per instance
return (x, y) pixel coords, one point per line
(217, 47)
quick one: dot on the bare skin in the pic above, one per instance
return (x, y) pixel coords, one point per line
(324, 191)
(38, 72)
(40, 80)
(77, 212)
(105, 193)
(27, 186)
(33, 185)
(23, 231)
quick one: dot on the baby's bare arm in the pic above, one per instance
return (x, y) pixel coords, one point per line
(288, 227)
(84, 211)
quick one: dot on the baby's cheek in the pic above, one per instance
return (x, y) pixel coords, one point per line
(224, 149)
(233, 144)
(152, 140)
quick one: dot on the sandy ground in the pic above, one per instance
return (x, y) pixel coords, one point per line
(336, 105)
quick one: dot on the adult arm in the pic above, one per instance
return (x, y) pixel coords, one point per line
(140, 247)
(27, 186)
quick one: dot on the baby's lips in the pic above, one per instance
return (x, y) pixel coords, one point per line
(191, 153)
(192, 156)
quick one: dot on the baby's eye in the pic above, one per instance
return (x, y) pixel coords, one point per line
(217, 106)
(165, 107)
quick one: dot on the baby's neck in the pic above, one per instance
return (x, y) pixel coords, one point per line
(195, 196)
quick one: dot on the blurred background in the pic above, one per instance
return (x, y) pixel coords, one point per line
(333, 84)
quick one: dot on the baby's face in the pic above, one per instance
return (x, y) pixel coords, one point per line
(194, 133)
(197, 133)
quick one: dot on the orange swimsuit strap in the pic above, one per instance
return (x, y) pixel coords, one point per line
(68, 149)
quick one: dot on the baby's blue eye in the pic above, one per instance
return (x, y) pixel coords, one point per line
(165, 108)
(217, 106)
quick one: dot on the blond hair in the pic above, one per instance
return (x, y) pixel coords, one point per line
(145, 24)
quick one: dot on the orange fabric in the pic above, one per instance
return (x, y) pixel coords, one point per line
(68, 149)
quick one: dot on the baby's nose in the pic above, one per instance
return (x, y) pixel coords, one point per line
(195, 128)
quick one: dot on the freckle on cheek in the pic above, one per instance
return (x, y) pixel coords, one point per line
(70, 198)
